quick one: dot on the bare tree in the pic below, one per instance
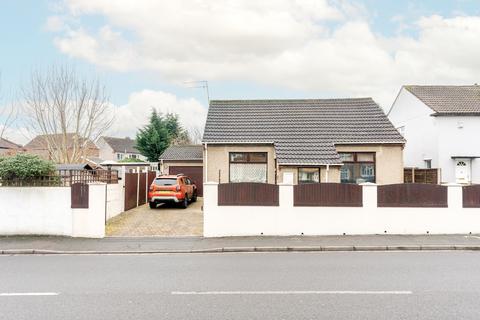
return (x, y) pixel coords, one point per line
(8, 115)
(69, 112)
(195, 135)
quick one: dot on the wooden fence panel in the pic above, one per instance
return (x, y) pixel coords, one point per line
(79, 195)
(247, 194)
(327, 195)
(142, 190)
(471, 196)
(412, 195)
(415, 175)
(151, 176)
(131, 184)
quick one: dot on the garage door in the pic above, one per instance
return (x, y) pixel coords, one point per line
(195, 173)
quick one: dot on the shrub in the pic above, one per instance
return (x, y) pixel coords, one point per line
(24, 166)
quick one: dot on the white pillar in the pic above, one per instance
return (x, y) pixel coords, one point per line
(285, 195)
(455, 196)
(369, 195)
(210, 208)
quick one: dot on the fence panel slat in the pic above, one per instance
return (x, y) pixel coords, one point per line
(247, 194)
(327, 195)
(412, 195)
(471, 196)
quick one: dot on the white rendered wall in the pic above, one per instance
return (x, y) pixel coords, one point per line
(289, 220)
(420, 129)
(47, 211)
(115, 199)
(458, 136)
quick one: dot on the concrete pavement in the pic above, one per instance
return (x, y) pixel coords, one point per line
(19, 244)
(333, 285)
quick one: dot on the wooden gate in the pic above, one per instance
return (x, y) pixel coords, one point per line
(195, 173)
(79, 195)
(131, 185)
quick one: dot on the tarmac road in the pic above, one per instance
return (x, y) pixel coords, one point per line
(323, 285)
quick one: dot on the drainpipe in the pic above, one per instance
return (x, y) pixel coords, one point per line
(326, 173)
(205, 164)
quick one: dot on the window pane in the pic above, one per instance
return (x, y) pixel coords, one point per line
(238, 157)
(258, 157)
(346, 173)
(165, 182)
(308, 175)
(346, 156)
(365, 157)
(367, 172)
(248, 172)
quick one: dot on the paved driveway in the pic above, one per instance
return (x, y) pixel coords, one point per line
(166, 220)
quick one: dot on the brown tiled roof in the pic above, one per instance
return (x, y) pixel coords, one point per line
(40, 142)
(126, 145)
(449, 99)
(302, 131)
(183, 152)
(6, 144)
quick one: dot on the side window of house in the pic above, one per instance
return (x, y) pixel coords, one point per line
(248, 167)
(119, 156)
(308, 175)
(357, 167)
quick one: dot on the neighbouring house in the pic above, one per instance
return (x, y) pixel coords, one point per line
(117, 149)
(186, 159)
(8, 147)
(441, 125)
(301, 141)
(62, 147)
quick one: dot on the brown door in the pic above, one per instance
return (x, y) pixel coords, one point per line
(195, 173)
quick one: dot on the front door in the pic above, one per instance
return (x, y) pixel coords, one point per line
(462, 170)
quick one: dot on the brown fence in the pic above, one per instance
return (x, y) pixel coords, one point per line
(412, 195)
(415, 175)
(247, 194)
(79, 195)
(142, 189)
(471, 196)
(327, 195)
(131, 185)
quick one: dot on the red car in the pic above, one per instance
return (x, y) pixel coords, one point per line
(172, 188)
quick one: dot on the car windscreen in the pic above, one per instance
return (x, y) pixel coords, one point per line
(165, 182)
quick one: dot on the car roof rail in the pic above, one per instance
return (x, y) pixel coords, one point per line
(180, 174)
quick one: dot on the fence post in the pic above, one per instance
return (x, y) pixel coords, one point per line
(455, 196)
(369, 194)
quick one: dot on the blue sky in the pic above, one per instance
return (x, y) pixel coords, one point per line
(28, 43)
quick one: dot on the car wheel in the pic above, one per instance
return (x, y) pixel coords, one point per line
(184, 203)
(194, 197)
(152, 205)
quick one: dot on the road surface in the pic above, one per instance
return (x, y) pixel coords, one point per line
(328, 285)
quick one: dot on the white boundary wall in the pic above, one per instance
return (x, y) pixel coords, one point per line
(289, 220)
(47, 211)
(115, 199)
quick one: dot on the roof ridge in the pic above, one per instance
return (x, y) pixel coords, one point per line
(289, 100)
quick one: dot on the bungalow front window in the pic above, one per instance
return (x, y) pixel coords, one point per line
(357, 167)
(248, 167)
(308, 175)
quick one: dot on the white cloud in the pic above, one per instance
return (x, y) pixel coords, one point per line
(310, 45)
(135, 114)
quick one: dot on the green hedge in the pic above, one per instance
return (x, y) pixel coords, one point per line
(24, 166)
